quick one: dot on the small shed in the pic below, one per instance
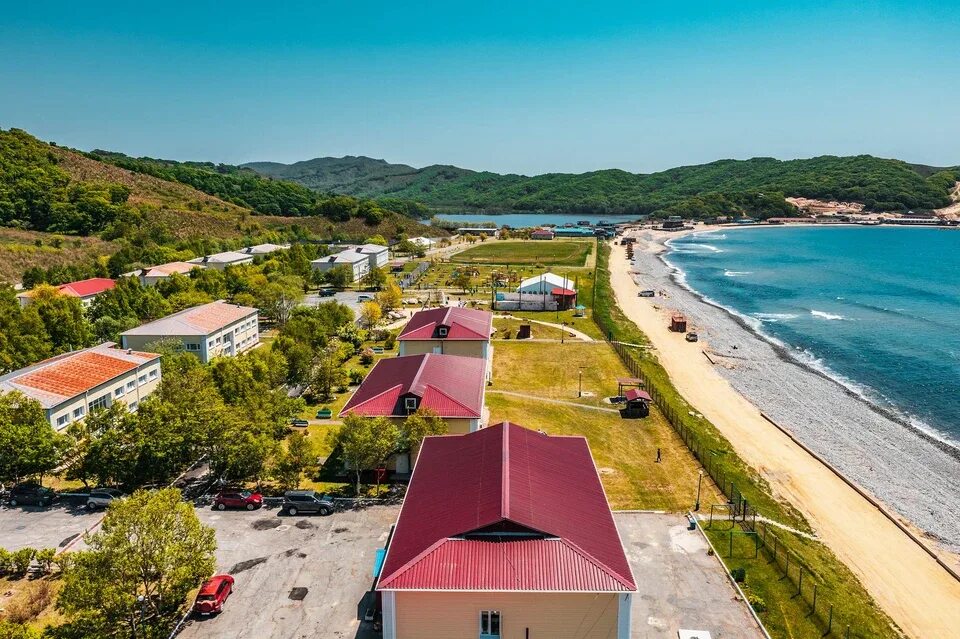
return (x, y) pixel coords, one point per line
(524, 332)
(678, 323)
(580, 310)
(638, 403)
(565, 297)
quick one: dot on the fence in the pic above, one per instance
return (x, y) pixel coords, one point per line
(411, 278)
(740, 512)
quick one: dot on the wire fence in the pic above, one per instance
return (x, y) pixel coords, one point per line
(747, 535)
(411, 278)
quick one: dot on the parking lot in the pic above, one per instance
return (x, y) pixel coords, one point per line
(680, 585)
(331, 558)
(347, 298)
(54, 527)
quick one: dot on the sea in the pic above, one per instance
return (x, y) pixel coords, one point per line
(528, 220)
(876, 308)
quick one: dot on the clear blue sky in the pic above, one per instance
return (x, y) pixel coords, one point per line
(525, 87)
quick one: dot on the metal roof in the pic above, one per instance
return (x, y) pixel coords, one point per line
(227, 257)
(194, 321)
(547, 281)
(164, 270)
(58, 379)
(461, 323)
(636, 393)
(449, 385)
(81, 288)
(504, 509)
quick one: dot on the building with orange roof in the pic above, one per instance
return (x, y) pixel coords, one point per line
(209, 330)
(71, 385)
(86, 290)
(150, 276)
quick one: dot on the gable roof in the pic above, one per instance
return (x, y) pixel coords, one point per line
(197, 320)
(368, 249)
(449, 385)
(343, 257)
(227, 257)
(547, 281)
(165, 270)
(81, 288)
(466, 489)
(461, 323)
(265, 249)
(58, 379)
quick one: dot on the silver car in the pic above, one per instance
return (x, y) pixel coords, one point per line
(102, 497)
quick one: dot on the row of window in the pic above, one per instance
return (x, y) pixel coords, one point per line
(103, 401)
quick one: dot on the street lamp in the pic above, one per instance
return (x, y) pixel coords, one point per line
(580, 383)
(699, 482)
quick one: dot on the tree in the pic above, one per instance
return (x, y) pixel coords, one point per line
(152, 545)
(390, 297)
(241, 455)
(328, 369)
(370, 314)
(366, 442)
(106, 447)
(375, 279)
(278, 296)
(462, 280)
(376, 239)
(424, 422)
(62, 317)
(339, 276)
(28, 443)
(293, 460)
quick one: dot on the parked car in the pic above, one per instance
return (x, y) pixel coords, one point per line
(30, 495)
(237, 499)
(647, 293)
(327, 292)
(299, 422)
(213, 594)
(101, 497)
(363, 297)
(306, 501)
(692, 337)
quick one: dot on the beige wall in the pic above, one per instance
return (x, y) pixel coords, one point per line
(455, 615)
(464, 348)
(138, 392)
(245, 334)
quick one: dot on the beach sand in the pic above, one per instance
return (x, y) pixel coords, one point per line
(901, 468)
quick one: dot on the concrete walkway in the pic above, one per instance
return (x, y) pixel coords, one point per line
(577, 334)
(537, 398)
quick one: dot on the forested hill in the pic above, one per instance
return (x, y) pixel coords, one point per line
(755, 186)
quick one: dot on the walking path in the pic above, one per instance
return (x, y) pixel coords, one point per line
(537, 398)
(919, 594)
(572, 331)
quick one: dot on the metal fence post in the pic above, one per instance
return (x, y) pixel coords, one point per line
(814, 611)
(829, 622)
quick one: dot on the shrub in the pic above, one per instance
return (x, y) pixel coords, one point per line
(739, 574)
(366, 357)
(62, 561)
(757, 603)
(45, 558)
(390, 342)
(4, 561)
(28, 610)
(356, 376)
(20, 560)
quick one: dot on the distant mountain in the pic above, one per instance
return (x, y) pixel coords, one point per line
(756, 186)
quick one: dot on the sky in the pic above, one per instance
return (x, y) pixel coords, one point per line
(520, 87)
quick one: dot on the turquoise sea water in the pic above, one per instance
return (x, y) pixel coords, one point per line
(877, 308)
(524, 220)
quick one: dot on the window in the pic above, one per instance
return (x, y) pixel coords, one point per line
(142, 379)
(101, 402)
(117, 392)
(133, 405)
(131, 385)
(217, 341)
(442, 331)
(62, 420)
(489, 624)
(210, 343)
(410, 403)
(78, 412)
(193, 347)
(153, 374)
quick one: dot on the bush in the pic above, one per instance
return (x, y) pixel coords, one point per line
(757, 603)
(739, 574)
(24, 611)
(390, 342)
(366, 357)
(4, 561)
(45, 558)
(20, 560)
(356, 376)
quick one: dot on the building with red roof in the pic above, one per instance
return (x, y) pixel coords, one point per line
(70, 385)
(86, 290)
(451, 386)
(505, 532)
(449, 330)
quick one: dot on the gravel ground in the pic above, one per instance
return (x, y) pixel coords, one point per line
(912, 473)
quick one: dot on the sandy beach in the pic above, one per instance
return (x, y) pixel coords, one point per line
(904, 470)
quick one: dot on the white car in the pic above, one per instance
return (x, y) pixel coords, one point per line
(101, 497)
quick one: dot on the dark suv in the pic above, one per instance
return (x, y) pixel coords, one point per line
(30, 494)
(306, 501)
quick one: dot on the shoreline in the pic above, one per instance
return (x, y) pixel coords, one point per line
(752, 382)
(783, 350)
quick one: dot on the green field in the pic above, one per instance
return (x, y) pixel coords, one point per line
(546, 253)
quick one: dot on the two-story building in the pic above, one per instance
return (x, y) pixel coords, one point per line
(451, 386)
(358, 263)
(209, 330)
(377, 255)
(505, 533)
(220, 261)
(150, 276)
(449, 330)
(71, 385)
(86, 290)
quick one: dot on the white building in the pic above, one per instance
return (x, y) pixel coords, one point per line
(71, 385)
(221, 261)
(207, 331)
(424, 242)
(264, 249)
(150, 276)
(358, 263)
(378, 255)
(545, 283)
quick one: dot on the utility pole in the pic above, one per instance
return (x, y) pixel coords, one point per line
(699, 482)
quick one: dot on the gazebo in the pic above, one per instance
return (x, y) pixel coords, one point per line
(580, 310)
(638, 403)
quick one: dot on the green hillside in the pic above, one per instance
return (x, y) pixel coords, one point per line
(755, 186)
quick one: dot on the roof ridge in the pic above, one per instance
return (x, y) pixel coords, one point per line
(416, 378)
(607, 569)
(505, 473)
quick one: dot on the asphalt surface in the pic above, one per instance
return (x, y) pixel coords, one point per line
(53, 527)
(679, 585)
(270, 556)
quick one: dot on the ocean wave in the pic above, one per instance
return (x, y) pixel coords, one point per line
(729, 273)
(695, 247)
(827, 316)
(710, 235)
(773, 318)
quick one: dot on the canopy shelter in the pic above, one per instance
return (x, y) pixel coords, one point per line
(566, 298)
(638, 403)
(628, 382)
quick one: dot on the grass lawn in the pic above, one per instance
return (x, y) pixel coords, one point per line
(625, 450)
(32, 601)
(553, 253)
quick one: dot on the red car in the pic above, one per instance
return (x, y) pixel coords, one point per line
(237, 499)
(213, 593)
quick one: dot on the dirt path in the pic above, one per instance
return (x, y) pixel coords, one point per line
(537, 398)
(909, 585)
(571, 331)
